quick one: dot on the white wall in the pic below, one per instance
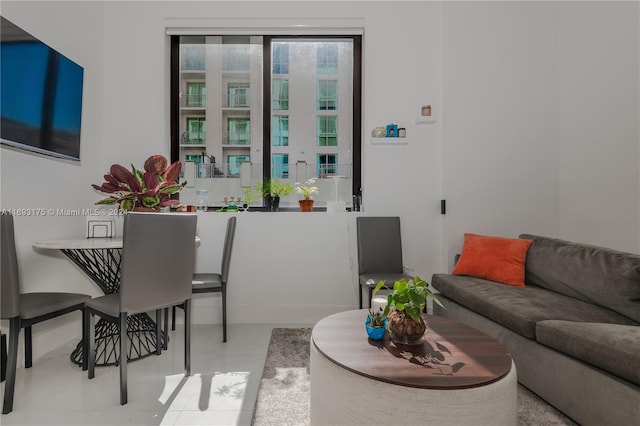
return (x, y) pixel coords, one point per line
(598, 123)
(282, 268)
(499, 142)
(541, 121)
(508, 108)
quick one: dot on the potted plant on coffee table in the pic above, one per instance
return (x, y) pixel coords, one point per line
(306, 189)
(376, 324)
(404, 309)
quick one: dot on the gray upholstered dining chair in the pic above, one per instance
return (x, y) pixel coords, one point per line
(23, 310)
(214, 282)
(158, 258)
(379, 253)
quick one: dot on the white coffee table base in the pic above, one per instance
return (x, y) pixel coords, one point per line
(341, 397)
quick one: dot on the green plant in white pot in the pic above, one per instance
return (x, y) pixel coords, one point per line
(404, 309)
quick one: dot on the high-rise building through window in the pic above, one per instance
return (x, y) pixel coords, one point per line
(248, 106)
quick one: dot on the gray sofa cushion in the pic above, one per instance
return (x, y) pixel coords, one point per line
(596, 275)
(611, 347)
(518, 308)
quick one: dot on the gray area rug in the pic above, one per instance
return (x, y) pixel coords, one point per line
(283, 396)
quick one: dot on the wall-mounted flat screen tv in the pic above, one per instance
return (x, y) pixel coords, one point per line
(40, 95)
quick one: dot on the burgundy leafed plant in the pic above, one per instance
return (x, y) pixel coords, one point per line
(151, 189)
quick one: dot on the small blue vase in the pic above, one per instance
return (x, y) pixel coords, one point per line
(376, 333)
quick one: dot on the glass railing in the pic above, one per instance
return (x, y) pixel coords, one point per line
(236, 138)
(192, 100)
(239, 99)
(193, 138)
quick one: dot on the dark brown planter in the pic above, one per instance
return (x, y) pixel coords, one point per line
(306, 205)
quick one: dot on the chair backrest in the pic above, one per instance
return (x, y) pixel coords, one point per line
(10, 302)
(158, 260)
(228, 246)
(379, 244)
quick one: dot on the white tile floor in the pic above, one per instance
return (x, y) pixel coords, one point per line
(221, 390)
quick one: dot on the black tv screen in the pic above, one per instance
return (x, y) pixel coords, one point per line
(40, 95)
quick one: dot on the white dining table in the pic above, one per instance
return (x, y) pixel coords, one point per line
(80, 243)
(100, 258)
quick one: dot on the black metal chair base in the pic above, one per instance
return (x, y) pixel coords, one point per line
(103, 267)
(141, 331)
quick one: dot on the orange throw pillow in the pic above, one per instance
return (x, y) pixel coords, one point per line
(493, 258)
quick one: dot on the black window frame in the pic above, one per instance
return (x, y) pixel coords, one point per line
(174, 119)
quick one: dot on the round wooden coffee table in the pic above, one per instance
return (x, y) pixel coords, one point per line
(458, 375)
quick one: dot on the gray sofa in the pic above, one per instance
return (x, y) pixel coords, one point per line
(573, 331)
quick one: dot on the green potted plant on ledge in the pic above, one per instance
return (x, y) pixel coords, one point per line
(272, 190)
(264, 189)
(404, 309)
(278, 190)
(306, 189)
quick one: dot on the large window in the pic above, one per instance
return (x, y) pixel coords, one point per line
(280, 130)
(236, 55)
(281, 59)
(196, 158)
(196, 95)
(238, 95)
(327, 130)
(327, 55)
(239, 131)
(280, 166)
(327, 165)
(196, 128)
(256, 104)
(280, 95)
(193, 55)
(327, 95)
(235, 162)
